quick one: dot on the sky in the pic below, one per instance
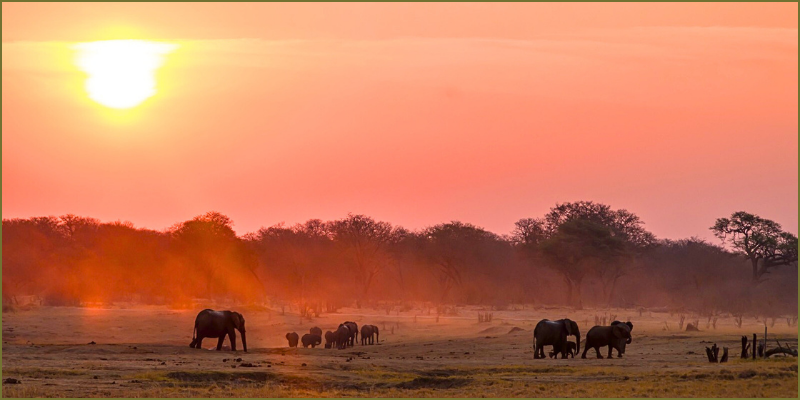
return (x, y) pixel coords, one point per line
(410, 113)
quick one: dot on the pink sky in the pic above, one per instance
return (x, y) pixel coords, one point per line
(410, 113)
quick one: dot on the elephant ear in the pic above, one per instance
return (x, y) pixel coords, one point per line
(630, 325)
(618, 332)
(622, 331)
(237, 319)
(568, 325)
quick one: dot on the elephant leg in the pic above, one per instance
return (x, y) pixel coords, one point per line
(585, 349)
(194, 343)
(610, 351)
(199, 342)
(232, 337)
(219, 342)
(597, 350)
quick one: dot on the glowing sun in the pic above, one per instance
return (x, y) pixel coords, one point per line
(121, 72)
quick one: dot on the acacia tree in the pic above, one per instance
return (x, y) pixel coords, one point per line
(759, 240)
(624, 226)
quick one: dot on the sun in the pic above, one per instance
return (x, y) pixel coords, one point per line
(121, 73)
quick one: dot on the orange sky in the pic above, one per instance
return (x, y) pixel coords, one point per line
(411, 113)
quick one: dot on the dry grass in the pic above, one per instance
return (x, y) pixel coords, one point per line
(453, 358)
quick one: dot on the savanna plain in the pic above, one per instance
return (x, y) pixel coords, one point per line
(135, 351)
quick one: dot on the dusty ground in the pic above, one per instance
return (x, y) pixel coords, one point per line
(144, 353)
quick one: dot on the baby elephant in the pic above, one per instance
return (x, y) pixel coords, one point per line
(315, 331)
(571, 350)
(311, 340)
(293, 338)
(330, 339)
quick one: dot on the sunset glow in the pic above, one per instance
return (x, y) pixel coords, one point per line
(121, 73)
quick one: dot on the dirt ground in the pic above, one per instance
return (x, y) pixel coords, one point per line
(144, 352)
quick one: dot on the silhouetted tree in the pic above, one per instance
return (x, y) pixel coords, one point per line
(759, 240)
(365, 245)
(217, 254)
(455, 248)
(577, 247)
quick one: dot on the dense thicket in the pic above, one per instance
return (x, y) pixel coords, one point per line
(579, 254)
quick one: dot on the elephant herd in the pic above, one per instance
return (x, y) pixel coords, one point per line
(555, 333)
(346, 335)
(218, 324)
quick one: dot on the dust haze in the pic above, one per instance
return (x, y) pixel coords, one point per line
(95, 308)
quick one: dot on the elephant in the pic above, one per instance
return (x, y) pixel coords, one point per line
(615, 336)
(570, 350)
(368, 333)
(293, 338)
(315, 331)
(330, 339)
(629, 340)
(342, 336)
(218, 324)
(353, 332)
(311, 340)
(555, 333)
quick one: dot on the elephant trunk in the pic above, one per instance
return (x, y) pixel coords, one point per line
(577, 342)
(244, 341)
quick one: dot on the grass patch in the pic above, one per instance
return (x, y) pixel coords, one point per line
(35, 372)
(434, 383)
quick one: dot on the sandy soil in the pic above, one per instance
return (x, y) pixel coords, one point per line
(143, 352)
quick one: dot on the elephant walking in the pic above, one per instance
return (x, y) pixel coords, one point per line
(342, 336)
(554, 333)
(353, 327)
(218, 324)
(311, 340)
(330, 339)
(368, 334)
(615, 336)
(293, 338)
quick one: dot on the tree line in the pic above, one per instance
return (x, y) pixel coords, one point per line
(578, 254)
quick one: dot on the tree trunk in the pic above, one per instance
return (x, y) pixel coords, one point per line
(569, 290)
(744, 346)
(611, 292)
(781, 350)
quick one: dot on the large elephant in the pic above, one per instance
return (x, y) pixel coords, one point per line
(315, 331)
(218, 324)
(615, 336)
(330, 339)
(554, 333)
(353, 332)
(342, 336)
(293, 338)
(311, 340)
(368, 333)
